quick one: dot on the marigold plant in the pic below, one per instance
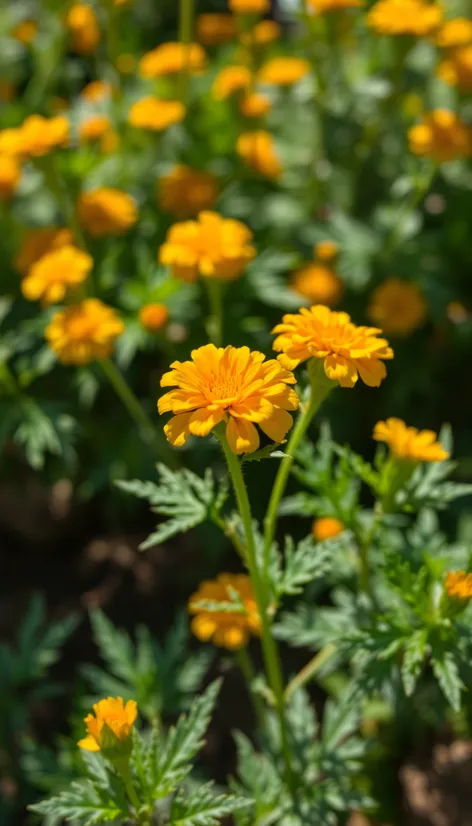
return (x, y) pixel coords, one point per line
(55, 273)
(84, 332)
(106, 211)
(409, 443)
(229, 629)
(112, 721)
(185, 191)
(399, 307)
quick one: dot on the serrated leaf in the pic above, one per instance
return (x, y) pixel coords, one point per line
(202, 807)
(413, 658)
(83, 802)
(446, 671)
(303, 564)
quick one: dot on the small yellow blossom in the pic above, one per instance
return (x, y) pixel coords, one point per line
(155, 115)
(398, 306)
(97, 91)
(126, 63)
(173, 58)
(211, 246)
(325, 250)
(409, 443)
(441, 135)
(228, 629)
(254, 105)
(454, 33)
(94, 128)
(323, 6)
(326, 527)
(83, 333)
(106, 211)
(109, 725)
(10, 174)
(233, 385)
(25, 31)
(283, 71)
(216, 28)
(84, 32)
(230, 80)
(318, 283)
(39, 242)
(347, 351)
(185, 191)
(263, 33)
(459, 585)
(55, 273)
(417, 18)
(456, 69)
(35, 137)
(154, 317)
(257, 151)
(249, 6)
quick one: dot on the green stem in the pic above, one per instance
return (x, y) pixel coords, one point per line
(133, 406)
(215, 322)
(122, 767)
(186, 21)
(55, 185)
(309, 670)
(247, 669)
(364, 543)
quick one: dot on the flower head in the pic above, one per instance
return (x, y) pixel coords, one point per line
(185, 191)
(254, 105)
(283, 71)
(154, 114)
(456, 69)
(324, 6)
(35, 137)
(83, 333)
(409, 443)
(229, 80)
(326, 527)
(249, 6)
(318, 283)
(173, 58)
(325, 250)
(110, 726)
(211, 246)
(57, 271)
(154, 317)
(228, 629)
(441, 135)
(94, 128)
(398, 306)
(348, 351)
(39, 242)
(10, 174)
(234, 385)
(263, 33)
(257, 151)
(213, 29)
(25, 31)
(459, 585)
(106, 211)
(454, 33)
(417, 18)
(97, 91)
(84, 32)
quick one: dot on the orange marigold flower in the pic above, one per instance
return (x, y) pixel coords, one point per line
(456, 70)
(318, 283)
(327, 527)
(50, 278)
(126, 63)
(283, 71)
(110, 725)
(83, 333)
(348, 351)
(254, 105)
(326, 250)
(417, 18)
(97, 91)
(39, 242)
(230, 80)
(173, 58)
(25, 31)
(10, 174)
(454, 33)
(263, 33)
(398, 306)
(409, 443)
(213, 29)
(441, 135)
(323, 6)
(106, 211)
(459, 585)
(185, 191)
(94, 128)
(154, 114)
(211, 246)
(154, 317)
(35, 137)
(228, 629)
(257, 151)
(249, 6)
(233, 385)
(84, 32)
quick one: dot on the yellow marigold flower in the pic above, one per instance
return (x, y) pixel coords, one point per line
(441, 135)
(456, 70)
(348, 351)
(228, 629)
(213, 29)
(454, 33)
(398, 306)
(318, 283)
(94, 128)
(154, 317)
(106, 211)
(283, 71)
(327, 527)
(97, 91)
(254, 105)
(25, 31)
(233, 385)
(323, 6)
(185, 191)
(10, 174)
(263, 33)
(7, 91)
(110, 725)
(230, 80)
(154, 114)
(126, 63)
(325, 250)
(9, 141)
(83, 333)
(39, 242)
(409, 443)
(211, 246)
(257, 151)
(459, 585)
(50, 278)
(36, 136)
(249, 6)
(84, 33)
(417, 18)
(173, 58)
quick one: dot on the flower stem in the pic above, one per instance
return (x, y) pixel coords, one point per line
(215, 322)
(133, 406)
(186, 20)
(310, 670)
(247, 669)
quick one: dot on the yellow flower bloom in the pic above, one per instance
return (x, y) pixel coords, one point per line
(154, 317)
(97, 91)
(409, 443)
(84, 333)
(154, 114)
(417, 18)
(94, 128)
(233, 385)
(348, 351)
(111, 723)
(454, 33)
(230, 80)
(50, 278)
(263, 33)
(106, 211)
(185, 191)
(228, 629)
(10, 174)
(398, 306)
(459, 585)
(173, 58)
(441, 135)
(325, 250)
(84, 33)
(456, 70)
(126, 63)
(39, 242)
(257, 151)
(211, 246)
(35, 137)
(327, 527)
(213, 29)
(249, 6)
(323, 6)
(318, 283)
(283, 71)
(254, 105)
(25, 31)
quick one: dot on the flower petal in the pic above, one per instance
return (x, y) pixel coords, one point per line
(277, 427)
(203, 420)
(89, 743)
(242, 436)
(176, 430)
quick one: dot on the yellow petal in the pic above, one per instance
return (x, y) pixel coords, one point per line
(89, 743)
(176, 430)
(242, 436)
(203, 420)
(277, 427)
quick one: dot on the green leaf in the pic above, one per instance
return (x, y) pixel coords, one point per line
(85, 802)
(308, 561)
(413, 658)
(202, 807)
(446, 671)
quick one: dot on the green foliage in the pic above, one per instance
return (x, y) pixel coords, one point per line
(85, 802)
(203, 807)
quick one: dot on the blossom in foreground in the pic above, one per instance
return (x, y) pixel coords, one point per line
(456, 69)
(216, 28)
(327, 527)
(254, 105)
(347, 350)
(38, 242)
(84, 32)
(409, 443)
(417, 18)
(10, 174)
(25, 31)
(230, 80)
(154, 317)
(454, 33)
(319, 283)
(211, 246)
(173, 58)
(323, 6)
(399, 307)
(233, 385)
(154, 114)
(185, 191)
(249, 6)
(50, 278)
(258, 151)
(441, 135)
(110, 725)
(458, 585)
(83, 333)
(106, 211)
(228, 629)
(35, 137)
(283, 71)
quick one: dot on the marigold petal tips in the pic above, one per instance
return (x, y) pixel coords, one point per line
(409, 443)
